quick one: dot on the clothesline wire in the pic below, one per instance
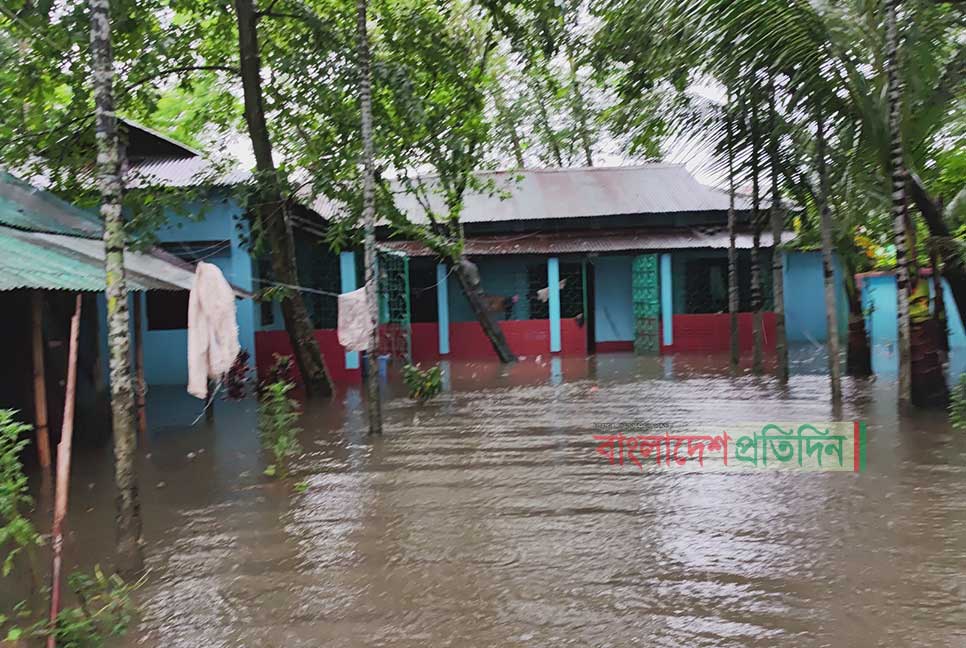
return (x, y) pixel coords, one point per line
(448, 273)
(298, 288)
(216, 248)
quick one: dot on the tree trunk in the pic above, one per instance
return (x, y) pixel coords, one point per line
(272, 210)
(939, 312)
(828, 270)
(494, 333)
(899, 202)
(732, 251)
(130, 559)
(756, 297)
(373, 404)
(954, 265)
(777, 259)
(580, 111)
(858, 353)
(509, 123)
(548, 129)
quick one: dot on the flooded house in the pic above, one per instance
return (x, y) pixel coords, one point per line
(51, 251)
(572, 261)
(591, 260)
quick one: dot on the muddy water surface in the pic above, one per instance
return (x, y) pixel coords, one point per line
(486, 518)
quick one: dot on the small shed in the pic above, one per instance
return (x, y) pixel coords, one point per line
(51, 250)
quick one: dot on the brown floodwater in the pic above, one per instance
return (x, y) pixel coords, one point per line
(486, 518)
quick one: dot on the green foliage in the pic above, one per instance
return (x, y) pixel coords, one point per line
(104, 609)
(278, 414)
(422, 385)
(16, 531)
(957, 404)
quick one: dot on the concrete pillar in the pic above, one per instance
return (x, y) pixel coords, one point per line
(442, 305)
(347, 272)
(553, 283)
(667, 301)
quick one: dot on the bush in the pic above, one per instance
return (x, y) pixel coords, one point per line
(423, 385)
(277, 417)
(16, 531)
(104, 610)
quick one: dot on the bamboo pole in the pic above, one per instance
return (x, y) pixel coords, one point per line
(40, 380)
(63, 472)
(139, 386)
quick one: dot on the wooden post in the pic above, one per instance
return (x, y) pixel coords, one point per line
(210, 402)
(63, 472)
(139, 387)
(40, 380)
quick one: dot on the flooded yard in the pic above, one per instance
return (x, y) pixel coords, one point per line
(486, 518)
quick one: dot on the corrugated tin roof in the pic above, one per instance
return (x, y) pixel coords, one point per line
(530, 194)
(182, 172)
(595, 241)
(62, 262)
(49, 244)
(26, 207)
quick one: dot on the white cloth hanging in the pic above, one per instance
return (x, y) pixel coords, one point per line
(355, 323)
(544, 293)
(212, 328)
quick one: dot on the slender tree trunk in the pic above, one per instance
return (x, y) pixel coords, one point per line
(732, 251)
(272, 210)
(492, 330)
(858, 354)
(373, 404)
(831, 317)
(128, 518)
(756, 296)
(899, 202)
(63, 470)
(580, 111)
(940, 300)
(777, 259)
(954, 264)
(509, 123)
(547, 128)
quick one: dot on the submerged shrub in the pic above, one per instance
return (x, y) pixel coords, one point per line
(104, 609)
(16, 531)
(957, 404)
(423, 385)
(277, 417)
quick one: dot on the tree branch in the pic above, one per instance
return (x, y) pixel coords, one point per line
(179, 70)
(267, 10)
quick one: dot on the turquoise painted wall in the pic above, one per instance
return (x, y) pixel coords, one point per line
(166, 352)
(880, 305)
(805, 298)
(613, 307)
(506, 276)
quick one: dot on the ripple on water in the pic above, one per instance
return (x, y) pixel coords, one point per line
(485, 518)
